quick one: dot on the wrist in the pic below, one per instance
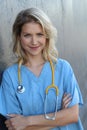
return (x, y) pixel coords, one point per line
(30, 120)
(35, 120)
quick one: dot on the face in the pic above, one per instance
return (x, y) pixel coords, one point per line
(32, 39)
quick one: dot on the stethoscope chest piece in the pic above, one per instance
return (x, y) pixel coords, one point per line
(20, 89)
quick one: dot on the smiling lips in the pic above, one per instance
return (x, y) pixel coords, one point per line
(34, 48)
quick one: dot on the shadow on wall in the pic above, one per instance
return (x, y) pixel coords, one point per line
(2, 63)
(2, 68)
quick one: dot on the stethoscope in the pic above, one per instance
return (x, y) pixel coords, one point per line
(21, 89)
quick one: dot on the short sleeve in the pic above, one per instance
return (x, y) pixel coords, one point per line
(71, 86)
(9, 103)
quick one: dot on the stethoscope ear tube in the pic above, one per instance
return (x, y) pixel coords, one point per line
(54, 115)
(56, 104)
(46, 92)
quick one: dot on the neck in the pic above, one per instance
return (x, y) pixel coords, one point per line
(35, 61)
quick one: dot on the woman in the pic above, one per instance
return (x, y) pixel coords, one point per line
(31, 105)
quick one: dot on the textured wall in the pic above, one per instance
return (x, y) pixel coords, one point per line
(70, 18)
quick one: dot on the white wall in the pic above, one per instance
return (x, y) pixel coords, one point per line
(70, 18)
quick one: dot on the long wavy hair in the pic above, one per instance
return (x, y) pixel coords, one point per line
(38, 16)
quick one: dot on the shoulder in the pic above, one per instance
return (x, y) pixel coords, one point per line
(64, 67)
(10, 70)
(63, 63)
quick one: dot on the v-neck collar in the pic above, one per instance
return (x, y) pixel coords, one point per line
(42, 73)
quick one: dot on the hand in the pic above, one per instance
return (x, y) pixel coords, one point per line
(66, 100)
(16, 122)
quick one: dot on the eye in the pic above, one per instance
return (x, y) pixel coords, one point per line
(40, 34)
(27, 35)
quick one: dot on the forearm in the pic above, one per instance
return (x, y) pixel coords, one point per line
(63, 117)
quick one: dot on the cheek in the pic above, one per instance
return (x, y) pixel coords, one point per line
(44, 41)
(23, 42)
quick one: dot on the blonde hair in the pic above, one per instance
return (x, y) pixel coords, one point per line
(35, 15)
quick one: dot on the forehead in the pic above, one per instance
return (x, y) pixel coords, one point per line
(32, 27)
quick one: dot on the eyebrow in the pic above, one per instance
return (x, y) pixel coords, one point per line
(31, 33)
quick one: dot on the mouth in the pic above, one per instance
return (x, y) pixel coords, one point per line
(34, 48)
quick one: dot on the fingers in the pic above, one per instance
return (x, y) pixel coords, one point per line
(66, 100)
(16, 122)
(9, 125)
(9, 122)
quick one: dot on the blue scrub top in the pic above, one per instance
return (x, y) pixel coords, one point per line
(31, 101)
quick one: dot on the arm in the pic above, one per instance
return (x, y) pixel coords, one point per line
(65, 103)
(61, 120)
(19, 122)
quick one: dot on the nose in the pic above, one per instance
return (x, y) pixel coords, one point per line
(34, 40)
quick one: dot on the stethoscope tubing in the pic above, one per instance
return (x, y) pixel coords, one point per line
(21, 89)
